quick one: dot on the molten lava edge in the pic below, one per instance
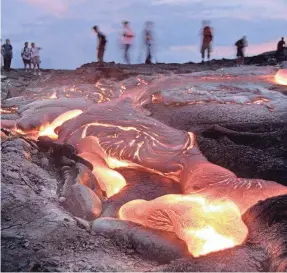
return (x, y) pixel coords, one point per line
(115, 134)
(281, 77)
(204, 226)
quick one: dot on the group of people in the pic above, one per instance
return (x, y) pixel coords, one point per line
(206, 45)
(126, 41)
(30, 57)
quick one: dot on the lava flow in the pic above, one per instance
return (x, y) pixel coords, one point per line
(49, 129)
(204, 226)
(281, 77)
(116, 132)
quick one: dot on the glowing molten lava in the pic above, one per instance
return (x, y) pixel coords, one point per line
(281, 77)
(204, 226)
(110, 180)
(53, 96)
(48, 130)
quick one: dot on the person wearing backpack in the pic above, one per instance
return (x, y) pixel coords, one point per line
(26, 56)
(7, 53)
(207, 38)
(101, 44)
(240, 45)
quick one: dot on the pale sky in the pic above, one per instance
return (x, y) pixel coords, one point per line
(63, 27)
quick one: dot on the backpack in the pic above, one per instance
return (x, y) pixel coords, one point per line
(103, 37)
(26, 53)
(239, 43)
(207, 33)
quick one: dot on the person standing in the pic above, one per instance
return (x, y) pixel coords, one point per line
(101, 44)
(35, 58)
(148, 41)
(207, 38)
(280, 50)
(240, 45)
(26, 56)
(127, 38)
(7, 53)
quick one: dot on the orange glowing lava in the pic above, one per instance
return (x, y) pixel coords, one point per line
(281, 77)
(53, 96)
(48, 130)
(109, 180)
(205, 226)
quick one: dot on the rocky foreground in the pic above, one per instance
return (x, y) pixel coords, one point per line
(242, 133)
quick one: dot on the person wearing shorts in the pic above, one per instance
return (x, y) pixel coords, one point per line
(35, 58)
(26, 56)
(207, 38)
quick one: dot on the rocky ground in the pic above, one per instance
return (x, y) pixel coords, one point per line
(38, 234)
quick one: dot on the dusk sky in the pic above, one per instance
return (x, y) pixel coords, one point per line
(63, 27)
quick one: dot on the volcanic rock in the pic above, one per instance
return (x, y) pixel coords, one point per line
(155, 245)
(83, 202)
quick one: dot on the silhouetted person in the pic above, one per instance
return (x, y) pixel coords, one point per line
(26, 56)
(127, 38)
(101, 44)
(207, 38)
(148, 41)
(7, 53)
(280, 50)
(240, 45)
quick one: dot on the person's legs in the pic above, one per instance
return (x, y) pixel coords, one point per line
(241, 57)
(38, 65)
(148, 56)
(5, 63)
(238, 61)
(26, 63)
(281, 55)
(127, 46)
(277, 56)
(101, 52)
(9, 63)
(208, 51)
(127, 53)
(202, 52)
(34, 65)
(98, 54)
